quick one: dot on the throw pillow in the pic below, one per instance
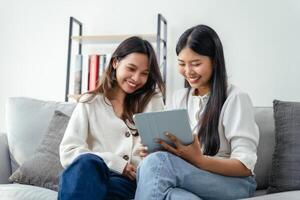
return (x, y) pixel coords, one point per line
(44, 166)
(285, 174)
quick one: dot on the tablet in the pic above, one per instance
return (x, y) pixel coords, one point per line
(153, 125)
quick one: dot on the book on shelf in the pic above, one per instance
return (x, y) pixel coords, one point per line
(78, 74)
(102, 65)
(93, 74)
(96, 67)
(85, 73)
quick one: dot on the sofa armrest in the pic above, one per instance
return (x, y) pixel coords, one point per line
(5, 167)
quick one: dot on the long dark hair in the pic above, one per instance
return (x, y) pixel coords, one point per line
(205, 41)
(136, 101)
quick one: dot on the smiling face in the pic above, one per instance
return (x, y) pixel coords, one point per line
(196, 69)
(132, 72)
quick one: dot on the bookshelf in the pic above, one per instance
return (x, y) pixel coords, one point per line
(110, 39)
(77, 41)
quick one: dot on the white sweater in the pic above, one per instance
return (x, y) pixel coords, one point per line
(238, 132)
(94, 128)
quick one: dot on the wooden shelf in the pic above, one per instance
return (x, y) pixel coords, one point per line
(110, 39)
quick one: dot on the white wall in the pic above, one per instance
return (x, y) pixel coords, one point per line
(260, 39)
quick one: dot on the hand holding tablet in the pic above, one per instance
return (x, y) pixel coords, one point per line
(153, 125)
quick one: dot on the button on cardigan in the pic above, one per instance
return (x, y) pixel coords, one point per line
(94, 128)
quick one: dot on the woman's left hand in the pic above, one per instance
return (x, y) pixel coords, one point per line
(187, 152)
(143, 151)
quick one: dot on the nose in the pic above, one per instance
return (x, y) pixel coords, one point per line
(188, 70)
(135, 77)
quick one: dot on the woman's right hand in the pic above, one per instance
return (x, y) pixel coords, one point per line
(143, 151)
(130, 171)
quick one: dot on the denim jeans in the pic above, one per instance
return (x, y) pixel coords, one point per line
(162, 175)
(88, 178)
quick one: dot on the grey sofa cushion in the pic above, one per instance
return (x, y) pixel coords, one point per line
(43, 168)
(25, 192)
(265, 121)
(27, 120)
(285, 174)
(5, 169)
(291, 195)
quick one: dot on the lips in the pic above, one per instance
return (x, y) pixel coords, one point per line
(131, 84)
(193, 79)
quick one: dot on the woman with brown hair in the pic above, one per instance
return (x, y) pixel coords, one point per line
(100, 147)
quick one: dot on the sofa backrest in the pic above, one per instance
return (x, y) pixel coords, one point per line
(265, 121)
(27, 120)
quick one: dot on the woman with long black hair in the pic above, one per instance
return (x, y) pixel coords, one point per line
(219, 163)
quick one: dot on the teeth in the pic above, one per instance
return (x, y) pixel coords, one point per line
(193, 79)
(131, 84)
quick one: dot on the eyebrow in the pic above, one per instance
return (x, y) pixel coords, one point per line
(133, 65)
(196, 60)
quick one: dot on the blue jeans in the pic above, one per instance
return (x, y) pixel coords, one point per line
(162, 175)
(88, 177)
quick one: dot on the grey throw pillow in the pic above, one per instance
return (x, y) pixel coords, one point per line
(285, 174)
(43, 167)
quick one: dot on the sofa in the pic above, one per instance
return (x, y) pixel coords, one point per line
(27, 120)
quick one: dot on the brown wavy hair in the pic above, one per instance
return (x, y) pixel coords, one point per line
(136, 101)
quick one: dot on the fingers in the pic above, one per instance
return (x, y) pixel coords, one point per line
(143, 151)
(143, 148)
(133, 174)
(131, 168)
(173, 139)
(143, 154)
(131, 177)
(130, 171)
(167, 146)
